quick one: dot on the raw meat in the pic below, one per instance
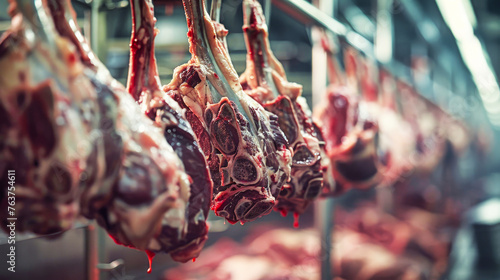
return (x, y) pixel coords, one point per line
(429, 148)
(433, 128)
(349, 129)
(273, 255)
(144, 86)
(43, 127)
(245, 148)
(396, 142)
(285, 254)
(265, 81)
(144, 206)
(416, 233)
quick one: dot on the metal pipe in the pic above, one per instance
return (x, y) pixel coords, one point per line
(309, 15)
(102, 253)
(215, 10)
(98, 29)
(267, 11)
(326, 209)
(90, 245)
(319, 71)
(323, 208)
(384, 43)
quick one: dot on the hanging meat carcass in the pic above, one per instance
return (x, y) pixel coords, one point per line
(144, 85)
(348, 128)
(43, 127)
(144, 207)
(71, 134)
(429, 142)
(265, 81)
(396, 137)
(245, 148)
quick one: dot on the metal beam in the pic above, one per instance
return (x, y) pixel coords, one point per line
(309, 15)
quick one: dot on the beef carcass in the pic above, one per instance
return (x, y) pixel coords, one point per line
(265, 81)
(145, 207)
(348, 129)
(396, 145)
(144, 85)
(245, 148)
(43, 127)
(429, 143)
(435, 127)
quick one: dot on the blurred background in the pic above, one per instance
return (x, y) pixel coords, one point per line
(443, 224)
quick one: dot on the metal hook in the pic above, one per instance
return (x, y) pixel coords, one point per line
(110, 266)
(112, 269)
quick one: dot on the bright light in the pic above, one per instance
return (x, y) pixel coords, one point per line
(470, 12)
(473, 54)
(455, 15)
(383, 38)
(383, 45)
(460, 18)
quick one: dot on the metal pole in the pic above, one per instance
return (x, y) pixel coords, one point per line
(323, 208)
(98, 29)
(384, 42)
(98, 44)
(319, 72)
(324, 212)
(267, 11)
(215, 10)
(90, 247)
(319, 59)
(384, 35)
(101, 250)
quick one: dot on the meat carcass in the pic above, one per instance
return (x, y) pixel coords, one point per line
(348, 129)
(245, 148)
(265, 81)
(144, 85)
(396, 145)
(429, 143)
(43, 127)
(145, 206)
